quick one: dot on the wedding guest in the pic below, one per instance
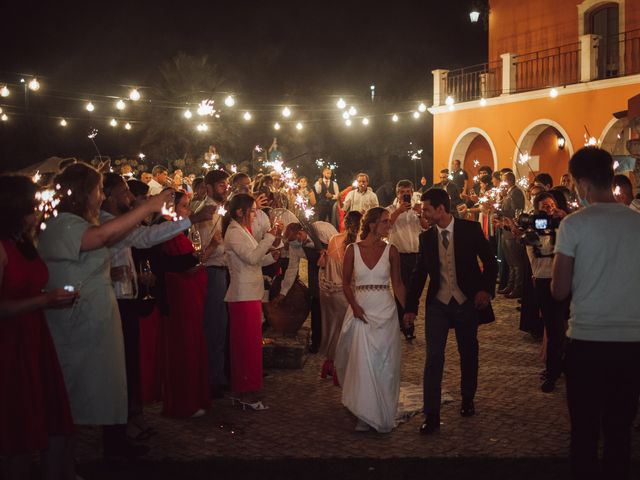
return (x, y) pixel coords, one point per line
(446, 183)
(361, 198)
(241, 183)
(245, 257)
(199, 193)
(334, 303)
(460, 177)
(146, 177)
(596, 263)
(623, 192)
(34, 408)
(183, 347)
(327, 192)
(159, 181)
(512, 203)
(88, 336)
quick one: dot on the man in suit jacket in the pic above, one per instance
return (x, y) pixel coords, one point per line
(459, 290)
(451, 188)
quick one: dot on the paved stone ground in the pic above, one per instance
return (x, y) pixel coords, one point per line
(306, 431)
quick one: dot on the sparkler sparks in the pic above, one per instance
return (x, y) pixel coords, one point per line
(476, 163)
(206, 108)
(523, 158)
(523, 182)
(93, 133)
(169, 212)
(36, 177)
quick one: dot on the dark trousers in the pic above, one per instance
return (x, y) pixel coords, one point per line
(464, 319)
(129, 312)
(530, 320)
(215, 323)
(554, 316)
(324, 210)
(314, 292)
(603, 386)
(407, 264)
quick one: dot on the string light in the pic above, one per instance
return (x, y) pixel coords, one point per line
(286, 112)
(483, 102)
(422, 107)
(299, 126)
(34, 85)
(113, 122)
(353, 111)
(365, 121)
(187, 114)
(90, 107)
(276, 126)
(341, 104)
(4, 117)
(202, 127)
(120, 105)
(553, 93)
(63, 123)
(127, 126)
(229, 101)
(449, 101)
(416, 115)
(134, 95)
(347, 122)
(247, 116)
(4, 91)
(345, 115)
(395, 118)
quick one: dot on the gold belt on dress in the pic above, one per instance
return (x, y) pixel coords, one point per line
(372, 287)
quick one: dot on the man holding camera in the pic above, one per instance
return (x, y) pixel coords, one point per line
(597, 264)
(406, 226)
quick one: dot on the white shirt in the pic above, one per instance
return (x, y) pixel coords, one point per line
(405, 230)
(328, 184)
(603, 241)
(154, 187)
(207, 230)
(261, 225)
(360, 202)
(541, 267)
(140, 237)
(448, 278)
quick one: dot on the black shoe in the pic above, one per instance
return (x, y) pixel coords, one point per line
(126, 451)
(467, 409)
(431, 425)
(548, 386)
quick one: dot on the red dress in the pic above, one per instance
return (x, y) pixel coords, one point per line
(33, 396)
(185, 379)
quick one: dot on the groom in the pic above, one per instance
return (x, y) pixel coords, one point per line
(458, 295)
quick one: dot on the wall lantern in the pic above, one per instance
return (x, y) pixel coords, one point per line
(561, 142)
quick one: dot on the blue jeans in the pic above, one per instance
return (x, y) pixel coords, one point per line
(215, 325)
(464, 319)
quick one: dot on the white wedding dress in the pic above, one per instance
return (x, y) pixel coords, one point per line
(368, 354)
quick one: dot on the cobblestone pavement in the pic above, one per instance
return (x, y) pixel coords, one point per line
(306, 420)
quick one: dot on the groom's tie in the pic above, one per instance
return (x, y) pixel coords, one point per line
(445, 239)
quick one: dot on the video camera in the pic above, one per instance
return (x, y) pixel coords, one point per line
(536, 225)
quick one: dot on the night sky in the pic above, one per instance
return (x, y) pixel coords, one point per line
(266, 52)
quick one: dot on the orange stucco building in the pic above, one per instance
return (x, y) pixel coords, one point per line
(557, 72)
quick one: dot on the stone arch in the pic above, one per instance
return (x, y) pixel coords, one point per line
(535, 137)
(609, 140)
(464, 141)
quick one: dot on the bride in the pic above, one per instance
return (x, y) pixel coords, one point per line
(368, 351)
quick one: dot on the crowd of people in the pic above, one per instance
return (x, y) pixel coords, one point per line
(209, 253)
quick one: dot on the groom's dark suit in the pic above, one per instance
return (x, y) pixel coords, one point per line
(444, 310)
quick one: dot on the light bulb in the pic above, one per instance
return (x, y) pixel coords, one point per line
(187, 114)
(474, 16)
(4, 91)
(113, 122)
(422, 107)
(127, 126)
(4, 117)
(353, 111)
(299, 126)
(134, 95)
(483, 102)
(347, 122)
(345, 115)
(286, 112)
(341, 104)
(416, 115)
(276, 126)
(90, 107)
(34, 85)
(120, 105)
(247, 116)
(395, 118)
(553, 93)
(449, 101)
(365, 121)
(229, 101)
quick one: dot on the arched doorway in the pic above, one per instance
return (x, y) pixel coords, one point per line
(474, 149)
(543, 141)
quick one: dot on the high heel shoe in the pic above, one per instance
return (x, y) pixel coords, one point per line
(327, 369)
(257, 405)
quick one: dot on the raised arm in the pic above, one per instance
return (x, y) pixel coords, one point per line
(111, 232)
(396, 278)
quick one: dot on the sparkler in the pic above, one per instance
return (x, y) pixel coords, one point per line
(93, 133)
(36, 177)
(206, 108)
(616, 164)
(476, 163)
(523, 182)
(169, 212)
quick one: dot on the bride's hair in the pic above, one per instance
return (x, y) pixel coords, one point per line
(352, 226)
(372, 216)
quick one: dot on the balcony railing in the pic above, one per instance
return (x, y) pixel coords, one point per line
(619, 55)
(472, 83)
(548, 68)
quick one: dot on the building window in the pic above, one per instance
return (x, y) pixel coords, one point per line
(604, 22)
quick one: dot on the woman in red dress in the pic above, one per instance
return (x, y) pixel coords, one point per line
(185, 380)
(34, 408)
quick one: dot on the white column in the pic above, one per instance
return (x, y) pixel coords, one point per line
(439, 86)
(589, 57)
(508, 73)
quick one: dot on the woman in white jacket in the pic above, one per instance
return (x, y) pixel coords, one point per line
(245, 259)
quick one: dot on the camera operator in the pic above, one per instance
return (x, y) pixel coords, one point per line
(596, 262)
(540, 244)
